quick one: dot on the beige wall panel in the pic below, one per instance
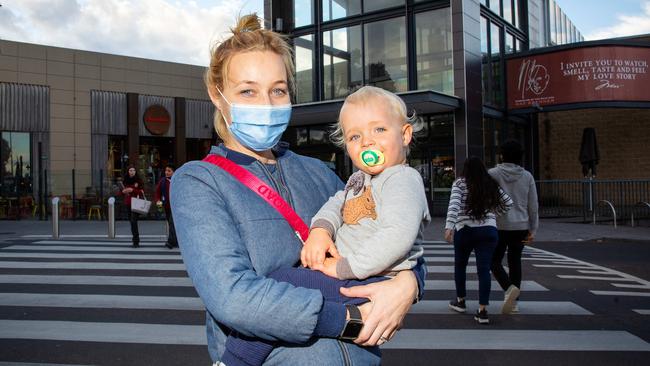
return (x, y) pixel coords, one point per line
(197, 84)
(62, 125)
(138, 77)
(179, 82)
(61, 139)
(159, 90)
(159, 67)
(62, 163)
(83, 98)
(138, 64)
(82, 84)
(112, 86)
(60, 68)
(58, 96)
(82, 141)
(86, 58)
(31, 78)
(114, 61)
(82, 112)
(31, 65)
(60, 54)
(137, 88)
(60, 82)
(83, 126)
(159, 79)
(61, 110)
(31, 51)
(9, 63)
(9, 76)
(87, 71)
(112, 74)
(8, 48)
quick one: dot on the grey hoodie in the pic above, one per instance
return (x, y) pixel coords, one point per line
(520, 186)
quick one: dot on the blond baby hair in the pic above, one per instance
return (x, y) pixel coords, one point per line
(247, 36)
(365, 95)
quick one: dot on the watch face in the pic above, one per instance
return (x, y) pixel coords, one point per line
(352, 329)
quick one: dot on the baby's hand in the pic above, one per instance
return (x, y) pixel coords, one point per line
(316, 246)
(328, 267)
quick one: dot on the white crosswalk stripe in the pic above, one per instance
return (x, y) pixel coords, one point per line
(78, 274)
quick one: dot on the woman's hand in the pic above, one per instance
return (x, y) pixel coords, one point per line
(449, 235)
(390, 301)
(127, 190)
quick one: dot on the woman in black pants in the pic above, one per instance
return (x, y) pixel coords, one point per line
(517, 227)
(132, 187)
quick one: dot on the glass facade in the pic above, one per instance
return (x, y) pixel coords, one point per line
(434, 45)
(560, 28)
(302, 13)
(342, 62)
(16, 173)
(304, 63)
(337, 9)
(375, 5)
(385, 54)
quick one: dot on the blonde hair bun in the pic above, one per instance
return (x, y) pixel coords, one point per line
(247, 23)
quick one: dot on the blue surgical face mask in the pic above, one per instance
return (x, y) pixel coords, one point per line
(258, 127)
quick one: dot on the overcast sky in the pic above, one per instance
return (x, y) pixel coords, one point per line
(182, 31)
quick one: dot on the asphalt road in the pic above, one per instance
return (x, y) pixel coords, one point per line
(88, 301)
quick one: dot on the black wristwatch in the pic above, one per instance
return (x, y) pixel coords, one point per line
(353, 325)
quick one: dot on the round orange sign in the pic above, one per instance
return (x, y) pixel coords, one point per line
(156, 119)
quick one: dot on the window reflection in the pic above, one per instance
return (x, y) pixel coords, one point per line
(304, 51)
(434, 50)
(16, 172)
(373, 5)
(342, 65)
(385, 53)
(336, 9)
(302, 13)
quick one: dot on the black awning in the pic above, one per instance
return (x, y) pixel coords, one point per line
(423, 101)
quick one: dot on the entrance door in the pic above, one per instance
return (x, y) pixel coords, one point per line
(155, 153)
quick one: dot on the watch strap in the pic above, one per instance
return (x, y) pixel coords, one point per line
(355, 313)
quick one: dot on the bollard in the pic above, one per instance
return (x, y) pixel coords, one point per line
(111, 218)
(55, 218)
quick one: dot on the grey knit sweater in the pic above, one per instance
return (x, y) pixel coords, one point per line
(520, 186)
(381, 238)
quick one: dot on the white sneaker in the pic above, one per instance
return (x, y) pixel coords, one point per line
(510, 299)
(218, 363)
(515, 309)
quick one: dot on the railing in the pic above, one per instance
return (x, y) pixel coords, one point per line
(642, 204)
(578, 198)
(610, 206)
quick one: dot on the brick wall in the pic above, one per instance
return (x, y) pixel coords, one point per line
(623, 137)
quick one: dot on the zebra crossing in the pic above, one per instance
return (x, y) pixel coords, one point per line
(89, 294)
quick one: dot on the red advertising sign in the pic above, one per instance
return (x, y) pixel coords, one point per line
(156, 119)
(602, 73)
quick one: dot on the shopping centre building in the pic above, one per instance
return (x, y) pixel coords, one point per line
(477, 73)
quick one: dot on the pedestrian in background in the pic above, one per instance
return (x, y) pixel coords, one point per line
(132, 187)
(476, 199)
(161, 197)
(517, 227)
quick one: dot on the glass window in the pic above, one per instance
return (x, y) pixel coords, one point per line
(385, 54)
(303, 13)
(373, 5)
(520, 45)
(319, 135)
(485, 53)
(507, 11)
(342, 63)
(16, 172)
(434, 50)
(510, 43)
(495, 39)
(495, 5)
(483, 2)
(515, 12)
(336, 9)
(304, 52)
(551, 24)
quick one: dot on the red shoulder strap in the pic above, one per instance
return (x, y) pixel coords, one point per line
(263, 190)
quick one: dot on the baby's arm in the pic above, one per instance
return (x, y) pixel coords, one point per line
(400, 216)
(323, 230)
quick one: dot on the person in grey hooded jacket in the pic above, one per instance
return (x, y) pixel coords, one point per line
(518, 225)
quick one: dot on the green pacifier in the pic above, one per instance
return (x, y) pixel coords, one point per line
(372, 157)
